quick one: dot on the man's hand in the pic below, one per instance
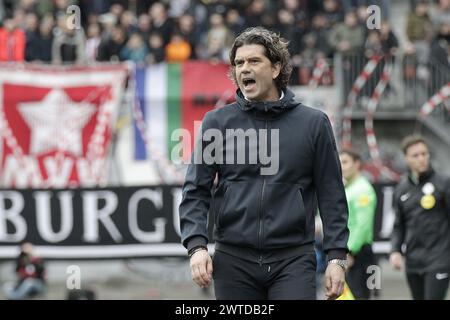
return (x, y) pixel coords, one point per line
(334, 281)
(396, 260)
(201, 268)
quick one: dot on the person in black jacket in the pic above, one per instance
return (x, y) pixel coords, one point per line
(264, 205)
(422, 205)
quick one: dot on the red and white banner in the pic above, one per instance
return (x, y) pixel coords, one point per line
(56, 124)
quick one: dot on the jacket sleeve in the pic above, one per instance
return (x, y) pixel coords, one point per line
(398, 232)
(330, 191)
(196, 194)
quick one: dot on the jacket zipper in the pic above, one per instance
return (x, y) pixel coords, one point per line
(261, 208)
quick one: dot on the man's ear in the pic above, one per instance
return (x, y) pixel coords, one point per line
(276, 68)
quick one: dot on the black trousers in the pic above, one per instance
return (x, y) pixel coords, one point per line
(428, 286)
(358, 274)
(289, 279)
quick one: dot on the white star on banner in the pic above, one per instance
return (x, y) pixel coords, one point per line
(56, 122)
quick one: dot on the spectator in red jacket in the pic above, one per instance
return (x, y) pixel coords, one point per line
(12, 42)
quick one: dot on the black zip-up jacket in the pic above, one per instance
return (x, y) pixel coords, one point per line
(269, 217)
(422, 222)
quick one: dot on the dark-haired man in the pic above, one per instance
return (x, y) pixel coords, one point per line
(264, 225)
(422, 204)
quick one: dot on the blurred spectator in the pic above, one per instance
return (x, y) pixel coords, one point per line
(440, 47)
(45, 39)
(186, 27)
(135, 50)
(440, 64)
(321, 28)
(388, 39)
(93, 42)
(419, 31)
(300, 28)
(31, 273)
(156, 49)
(294, 6)
(440, 14)
(19, 18)
(235, 22)
(12, 41)
(128, 22)
(107, 22)
(311, 53)
(379, 43)
(255, 12)
(419, 24)
(332, 11)
(308, 57)
(144, 26)
(68, 44)
(160, 21)
(268, 20)
(32, 37)
(286, 26)
(110, 47)
(347, 37)
(218, 39)
(178, 49)
(116, 9)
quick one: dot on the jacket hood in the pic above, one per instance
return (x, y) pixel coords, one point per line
(267, 108)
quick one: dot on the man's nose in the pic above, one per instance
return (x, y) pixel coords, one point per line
(245, 67)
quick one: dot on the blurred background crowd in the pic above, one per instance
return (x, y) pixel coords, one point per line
(148, 31)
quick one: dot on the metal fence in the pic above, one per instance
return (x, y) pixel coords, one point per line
(409, 87)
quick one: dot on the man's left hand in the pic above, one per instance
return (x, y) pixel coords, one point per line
(334, 281)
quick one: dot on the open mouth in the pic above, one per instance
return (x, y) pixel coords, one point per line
(248, 83)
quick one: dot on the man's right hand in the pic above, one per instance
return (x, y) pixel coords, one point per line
(201, 268)
(396, 260)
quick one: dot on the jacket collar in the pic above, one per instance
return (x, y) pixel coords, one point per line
(270, 109)
(422, 178)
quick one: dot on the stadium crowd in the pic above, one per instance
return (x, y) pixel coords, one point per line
(148, 31)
